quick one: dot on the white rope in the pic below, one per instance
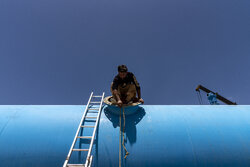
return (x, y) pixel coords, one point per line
(120, 140)
(122, 135)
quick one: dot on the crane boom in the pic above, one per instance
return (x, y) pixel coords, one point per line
(221, 98)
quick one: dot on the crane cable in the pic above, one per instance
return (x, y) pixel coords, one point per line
(122, 131)
(199, 97)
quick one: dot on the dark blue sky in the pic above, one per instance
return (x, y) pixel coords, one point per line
(58, 51)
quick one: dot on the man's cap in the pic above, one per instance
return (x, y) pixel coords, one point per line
(122, 68)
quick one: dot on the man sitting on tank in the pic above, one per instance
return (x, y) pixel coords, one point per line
(125, 86)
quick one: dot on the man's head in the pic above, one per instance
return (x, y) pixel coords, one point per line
(122, 70)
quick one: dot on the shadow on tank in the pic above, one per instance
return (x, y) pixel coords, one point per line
(130, 122)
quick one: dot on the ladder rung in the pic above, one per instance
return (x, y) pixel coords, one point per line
(92, 111)
(90, 120)
(91, 117)
(77, 149)
(95, 102)
(84, 137)
(87, 126)
(73, 165)
(96, 96)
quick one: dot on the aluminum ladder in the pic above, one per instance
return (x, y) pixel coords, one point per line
(85, 117)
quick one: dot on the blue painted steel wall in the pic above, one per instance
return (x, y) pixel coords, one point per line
(156, 136)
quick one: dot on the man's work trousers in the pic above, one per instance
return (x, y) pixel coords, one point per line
(127, 93)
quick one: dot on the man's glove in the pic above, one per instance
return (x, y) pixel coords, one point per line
(141, 100)
(119, 103)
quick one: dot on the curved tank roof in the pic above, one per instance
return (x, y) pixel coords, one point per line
(158, 135)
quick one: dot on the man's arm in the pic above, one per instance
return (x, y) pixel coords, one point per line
(138, 89)
(139, 93)
(117, 97)
(115, 91)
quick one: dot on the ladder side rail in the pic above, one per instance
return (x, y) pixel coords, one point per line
(93, 135)
(90, 161)
(75, 138)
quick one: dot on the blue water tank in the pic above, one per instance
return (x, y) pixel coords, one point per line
(157, 135)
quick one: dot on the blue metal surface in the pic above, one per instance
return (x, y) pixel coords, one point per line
(115, 109)
(155, 136)
(128, 110)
